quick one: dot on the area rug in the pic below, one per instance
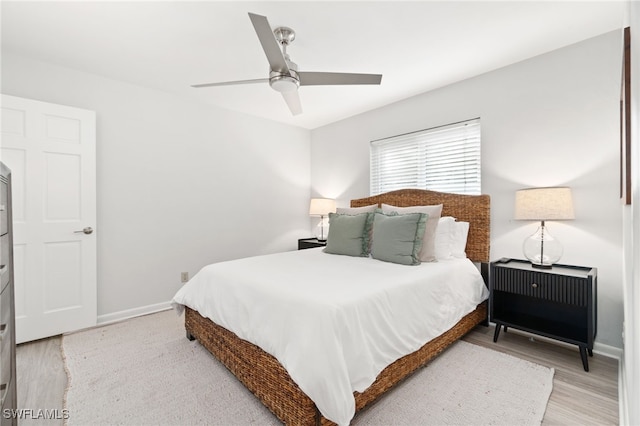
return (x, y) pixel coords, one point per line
(144, 371)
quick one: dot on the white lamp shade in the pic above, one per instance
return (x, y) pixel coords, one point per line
(322, 206)
(544, 204)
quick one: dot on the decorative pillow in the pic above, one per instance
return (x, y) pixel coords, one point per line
(427, 253)
(459, 239)
(398, 238)
(349, 234)
(357, 210)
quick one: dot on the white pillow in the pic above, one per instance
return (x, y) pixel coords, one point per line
(356, 210)
(444, 235)
(451, 238)
(427, 253)
(459, 239)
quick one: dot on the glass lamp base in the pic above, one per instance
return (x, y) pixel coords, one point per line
(322, 230)
(541, 249)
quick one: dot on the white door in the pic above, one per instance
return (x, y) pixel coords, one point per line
(51, 151)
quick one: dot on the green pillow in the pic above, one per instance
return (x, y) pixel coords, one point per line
(349, 234)
(398, 238)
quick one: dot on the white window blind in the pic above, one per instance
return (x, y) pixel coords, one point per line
(445, 158)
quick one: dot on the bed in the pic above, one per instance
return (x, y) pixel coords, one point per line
(266, 377)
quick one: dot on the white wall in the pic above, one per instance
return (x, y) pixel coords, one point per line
(550, 120)
(630, 377)
(180, 184)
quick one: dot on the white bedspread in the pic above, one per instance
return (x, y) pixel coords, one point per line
(334, 322)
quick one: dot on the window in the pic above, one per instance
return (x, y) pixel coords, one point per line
(445, 158)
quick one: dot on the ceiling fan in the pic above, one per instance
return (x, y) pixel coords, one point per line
(284, 76)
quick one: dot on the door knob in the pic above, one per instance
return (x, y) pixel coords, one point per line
(88, 230)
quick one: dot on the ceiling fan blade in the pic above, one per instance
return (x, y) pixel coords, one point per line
(269, 43)
(330, 78)
(293, 101)
(229, 83)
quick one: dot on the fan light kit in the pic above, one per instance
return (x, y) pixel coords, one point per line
(284, 76)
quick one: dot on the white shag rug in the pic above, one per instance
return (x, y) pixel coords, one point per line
(144, 371)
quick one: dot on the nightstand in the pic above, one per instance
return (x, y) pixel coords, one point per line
(559, 303)
(306, 243)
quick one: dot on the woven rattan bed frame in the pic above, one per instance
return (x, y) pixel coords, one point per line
(266, 378)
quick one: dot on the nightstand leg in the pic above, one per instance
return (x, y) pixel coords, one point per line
(583, 355)
(590, 352)
(496, 333)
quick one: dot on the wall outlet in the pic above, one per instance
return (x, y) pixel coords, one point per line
(184, 277)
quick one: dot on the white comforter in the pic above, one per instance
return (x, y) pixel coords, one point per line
(334, 322)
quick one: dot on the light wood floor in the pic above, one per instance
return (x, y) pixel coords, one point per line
(578, 397)
(42, 378)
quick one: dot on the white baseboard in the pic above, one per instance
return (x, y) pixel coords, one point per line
(130, 313)
(608, 351)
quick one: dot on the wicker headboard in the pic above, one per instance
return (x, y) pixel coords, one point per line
(474, 209)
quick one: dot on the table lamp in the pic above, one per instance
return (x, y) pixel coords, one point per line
(543, 204)
(322, 207)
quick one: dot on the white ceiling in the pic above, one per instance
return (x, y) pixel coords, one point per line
(416, 45)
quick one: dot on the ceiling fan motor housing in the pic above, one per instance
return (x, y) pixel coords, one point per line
(284, 82)
(279, 81)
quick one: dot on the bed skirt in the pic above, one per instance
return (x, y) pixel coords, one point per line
(268, 380)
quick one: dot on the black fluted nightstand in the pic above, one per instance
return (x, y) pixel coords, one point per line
(306, 243)
(560, 302)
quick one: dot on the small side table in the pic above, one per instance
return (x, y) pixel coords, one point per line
(307, 243)
(560, 302)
